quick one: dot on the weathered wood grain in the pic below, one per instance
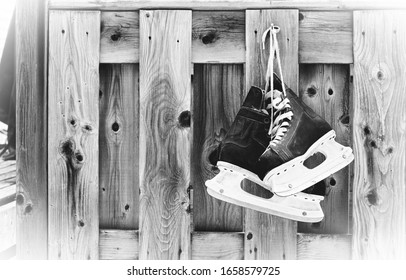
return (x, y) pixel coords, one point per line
(7, 226)
(119, 38)
(270, 237)
(227, 4)
(325, 37)
(379, 135)
(165, 94)
(218, 246)
(118, 244)
(73, 123)
(217, 94)
(118, 143)
(123, 245)
(323, 247)
(257, 58)
(218, 37)
(31, 120)
(325, 88)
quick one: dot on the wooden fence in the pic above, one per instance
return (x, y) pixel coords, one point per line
(120, 103)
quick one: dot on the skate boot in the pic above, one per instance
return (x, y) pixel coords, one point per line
(302, 150)
(237, 159)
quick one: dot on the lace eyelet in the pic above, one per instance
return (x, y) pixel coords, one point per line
(266, 120)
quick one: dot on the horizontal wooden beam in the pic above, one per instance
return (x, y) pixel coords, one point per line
(120, 37)
(226, 5)
(325, 37)
(323, 247)
(223, 246)
(124, 244)
(118, 244)
(219, 37)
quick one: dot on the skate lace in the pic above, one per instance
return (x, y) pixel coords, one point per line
(278, 107)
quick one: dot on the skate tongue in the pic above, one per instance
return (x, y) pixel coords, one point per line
(278, 107)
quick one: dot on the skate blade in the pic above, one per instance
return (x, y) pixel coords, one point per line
(227, 186)
(292, 177)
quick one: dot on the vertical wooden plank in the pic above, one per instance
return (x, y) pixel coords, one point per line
(118, 142)
(256, 22)
(270, 237)
(32, 218)
(74, 39)
(165, 93)
(379, 135)
(217, 94)
(325, 89)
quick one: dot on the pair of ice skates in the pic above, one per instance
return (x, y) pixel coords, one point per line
(272, 142)
(281, 162)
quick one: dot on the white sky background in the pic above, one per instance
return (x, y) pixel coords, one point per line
(6, 13)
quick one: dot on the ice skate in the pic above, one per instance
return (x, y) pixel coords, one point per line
(227, 186)
(296, 134)
(283, 164)
(237, 158)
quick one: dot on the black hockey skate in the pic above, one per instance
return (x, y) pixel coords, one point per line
(296, 135)
(237, 158)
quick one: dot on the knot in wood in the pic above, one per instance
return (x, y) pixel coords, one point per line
(115, 127)
(184, 119)
(380, 75)
(66, 149)
(345, 119)
(311, 91)
(116, 36)
(209, 38)
(20, 199)
(330, 91)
